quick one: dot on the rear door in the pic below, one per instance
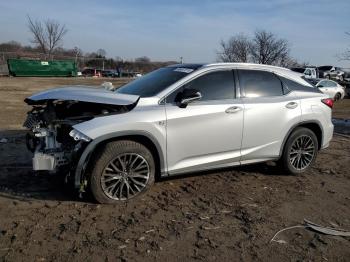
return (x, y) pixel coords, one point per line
(270, 111)
(207, 132)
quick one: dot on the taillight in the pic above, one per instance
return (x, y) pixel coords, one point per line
(328, 101)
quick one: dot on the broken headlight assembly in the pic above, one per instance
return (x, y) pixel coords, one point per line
(78, 136)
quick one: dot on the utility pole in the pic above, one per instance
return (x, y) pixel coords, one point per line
(76, 49)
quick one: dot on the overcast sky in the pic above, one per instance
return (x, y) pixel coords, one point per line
(166, 30)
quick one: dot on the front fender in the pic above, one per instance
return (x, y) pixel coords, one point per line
(90, 148)
(148, 122)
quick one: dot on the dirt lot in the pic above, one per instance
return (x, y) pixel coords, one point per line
(226, 215)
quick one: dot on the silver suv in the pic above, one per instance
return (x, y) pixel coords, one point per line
(178, 119)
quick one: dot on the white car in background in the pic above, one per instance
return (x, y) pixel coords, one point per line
(331, 88)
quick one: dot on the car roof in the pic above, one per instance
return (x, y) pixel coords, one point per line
(274, 69)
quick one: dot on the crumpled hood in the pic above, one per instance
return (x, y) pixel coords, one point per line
(83, 93)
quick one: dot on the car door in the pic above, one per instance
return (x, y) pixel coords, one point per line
(270, 112)
(206, 133)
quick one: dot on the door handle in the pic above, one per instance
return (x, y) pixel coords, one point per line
(233, 109)
(292, 105)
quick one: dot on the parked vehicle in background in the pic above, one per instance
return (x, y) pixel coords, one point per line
(311, 73)
(335, 73)
(308, 72)
(91, 72)
(110, 73)
(323, 71)
(331, 88)
(345, 76)
(175, 120)
(300, 70)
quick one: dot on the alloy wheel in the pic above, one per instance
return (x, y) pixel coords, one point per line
(125, 176)
(302, 152)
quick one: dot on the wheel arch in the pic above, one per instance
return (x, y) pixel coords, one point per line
(144, 138)
(313, 125)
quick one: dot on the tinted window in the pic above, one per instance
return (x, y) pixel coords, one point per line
(212, 86)
(325, 68)
(259, 83)
(297, 69)
(327, 83)
(155, 82)
(332, 84)
(295, 86)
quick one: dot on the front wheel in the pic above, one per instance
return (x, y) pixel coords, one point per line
(121, 171)
(300, 151)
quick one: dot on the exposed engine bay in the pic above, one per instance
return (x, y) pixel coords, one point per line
(55, 144)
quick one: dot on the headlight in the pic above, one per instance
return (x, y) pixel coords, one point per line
(79, 136)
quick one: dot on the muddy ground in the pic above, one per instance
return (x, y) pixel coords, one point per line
(225, 215)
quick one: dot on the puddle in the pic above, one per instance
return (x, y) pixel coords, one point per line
(341, 126)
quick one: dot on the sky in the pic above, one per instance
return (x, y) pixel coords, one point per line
(192, 29)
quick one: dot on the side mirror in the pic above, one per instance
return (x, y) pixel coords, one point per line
(188, 96)
(319, 86)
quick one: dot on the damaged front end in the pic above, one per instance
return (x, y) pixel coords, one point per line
(56, 145)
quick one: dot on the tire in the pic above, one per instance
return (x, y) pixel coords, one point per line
(337, 97)
(111, 181)
(293, 159)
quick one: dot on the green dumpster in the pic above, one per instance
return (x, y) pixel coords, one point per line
(26, 67)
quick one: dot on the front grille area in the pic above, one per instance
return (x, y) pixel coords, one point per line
(31, 121)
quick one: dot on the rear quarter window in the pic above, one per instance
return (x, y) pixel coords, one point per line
(295, 86)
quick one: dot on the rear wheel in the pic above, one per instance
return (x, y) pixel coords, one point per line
(300, 151)
(121, 171)
(337, 97)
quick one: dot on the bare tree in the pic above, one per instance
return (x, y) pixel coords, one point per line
(47, 35)
(101, 53)
(266, 48)
(236, 49)
(346, 54)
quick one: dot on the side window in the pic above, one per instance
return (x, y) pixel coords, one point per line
(322, 84)
(259, 83)
(307, 72)
(217, 85)
(326, 83)
(332, 84)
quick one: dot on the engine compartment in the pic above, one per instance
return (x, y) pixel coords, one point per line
(50, 123)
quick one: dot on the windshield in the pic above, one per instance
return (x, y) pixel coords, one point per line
(155, 82)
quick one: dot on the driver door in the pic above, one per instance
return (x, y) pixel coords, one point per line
(208, 132)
